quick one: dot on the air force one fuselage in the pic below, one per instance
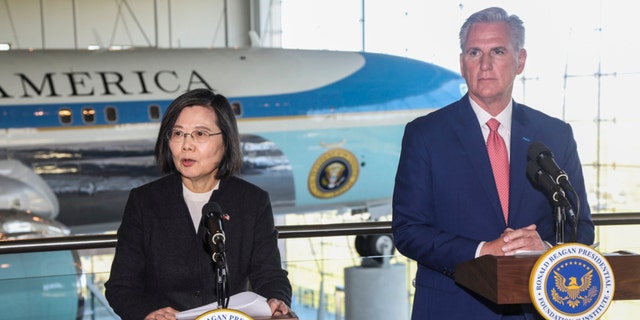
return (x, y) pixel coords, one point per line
(320, 129)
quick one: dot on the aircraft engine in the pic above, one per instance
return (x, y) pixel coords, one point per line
(375, 250)
(21, 188)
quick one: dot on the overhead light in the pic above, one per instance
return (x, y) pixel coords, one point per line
(5, 46)
(119, 47)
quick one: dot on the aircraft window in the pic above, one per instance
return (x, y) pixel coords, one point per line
(154, 112)
(88, 115)
(111, 114)
(237, 108)
(65, 115)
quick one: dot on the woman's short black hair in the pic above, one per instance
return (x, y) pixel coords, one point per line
(231, 160)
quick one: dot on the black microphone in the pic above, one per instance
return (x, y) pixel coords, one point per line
(544, 158)
(212, 214)
(546, 182)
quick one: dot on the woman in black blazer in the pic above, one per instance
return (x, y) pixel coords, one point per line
(163, 262)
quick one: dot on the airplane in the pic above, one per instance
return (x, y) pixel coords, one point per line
(86, 121)
(319, 129)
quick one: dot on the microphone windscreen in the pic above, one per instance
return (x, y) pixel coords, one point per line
(535, 149)
(211, 207)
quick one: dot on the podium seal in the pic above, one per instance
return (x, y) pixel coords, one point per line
(223, 314)
(571, 281)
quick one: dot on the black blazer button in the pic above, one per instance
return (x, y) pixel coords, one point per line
(196, 294)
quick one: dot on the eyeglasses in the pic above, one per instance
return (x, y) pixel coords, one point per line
(199, 136)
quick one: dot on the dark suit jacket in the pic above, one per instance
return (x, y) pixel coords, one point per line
(160, 261)
(445, 200)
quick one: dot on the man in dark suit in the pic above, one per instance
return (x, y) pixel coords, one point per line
(447, 205)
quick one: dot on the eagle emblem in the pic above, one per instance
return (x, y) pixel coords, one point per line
(572, 292)
(571, 281)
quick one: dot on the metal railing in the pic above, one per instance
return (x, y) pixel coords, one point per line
(285, 232)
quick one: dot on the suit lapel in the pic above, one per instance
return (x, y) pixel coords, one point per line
(520, 141)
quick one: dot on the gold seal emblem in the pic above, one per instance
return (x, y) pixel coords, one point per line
(333, 173)
(572, 281)
(223, 314)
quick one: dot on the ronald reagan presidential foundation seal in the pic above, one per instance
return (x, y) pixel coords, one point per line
(571, 281)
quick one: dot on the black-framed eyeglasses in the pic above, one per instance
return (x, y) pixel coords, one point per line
(199, 136)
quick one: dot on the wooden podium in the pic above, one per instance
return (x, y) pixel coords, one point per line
(290, 316)
(505, 280)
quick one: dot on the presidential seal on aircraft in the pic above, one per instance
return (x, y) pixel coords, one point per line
(333, 173)
(572, 281)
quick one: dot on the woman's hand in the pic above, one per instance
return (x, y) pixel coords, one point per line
(278, 308)
(162, 314)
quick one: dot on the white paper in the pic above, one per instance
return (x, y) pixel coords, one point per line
(526, 253)
(250, 303)
(540, 252)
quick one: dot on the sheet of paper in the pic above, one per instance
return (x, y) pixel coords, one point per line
(250, 303)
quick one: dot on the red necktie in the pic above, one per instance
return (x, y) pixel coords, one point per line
(500, 164)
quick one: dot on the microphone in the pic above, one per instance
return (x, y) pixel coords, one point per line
(544, 158)
(212, 214)
(548, 185)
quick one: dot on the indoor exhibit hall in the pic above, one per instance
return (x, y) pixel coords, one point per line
(322, 92)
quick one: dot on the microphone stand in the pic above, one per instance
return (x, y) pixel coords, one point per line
(561, 216)
(219, 258)
(575, 217)
(560, 211)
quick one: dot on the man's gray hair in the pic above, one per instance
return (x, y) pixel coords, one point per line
(495, 14)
